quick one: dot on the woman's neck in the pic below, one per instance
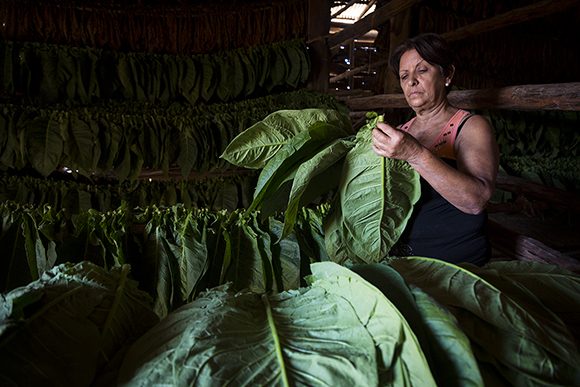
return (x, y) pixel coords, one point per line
(439, 112)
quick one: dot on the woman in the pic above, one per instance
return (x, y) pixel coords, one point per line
(454, 152)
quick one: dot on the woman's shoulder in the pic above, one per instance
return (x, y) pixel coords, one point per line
(476, 128)
(473, 119)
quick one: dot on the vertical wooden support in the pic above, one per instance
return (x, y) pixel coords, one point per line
(319, 25)
(400, 31)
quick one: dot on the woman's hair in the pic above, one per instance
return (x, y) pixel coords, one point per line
(431, 47)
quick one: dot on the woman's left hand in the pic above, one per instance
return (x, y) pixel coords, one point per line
(394, 143)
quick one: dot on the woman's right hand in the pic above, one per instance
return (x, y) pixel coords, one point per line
(394, 143)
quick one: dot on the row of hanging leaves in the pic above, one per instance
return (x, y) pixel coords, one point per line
(174, 252)
(45, 73)
(542, 146)
(227, 192)
(125, 139)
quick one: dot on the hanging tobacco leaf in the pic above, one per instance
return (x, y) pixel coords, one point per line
(374, 202)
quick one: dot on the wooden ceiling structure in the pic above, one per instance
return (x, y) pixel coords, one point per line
(393, 18)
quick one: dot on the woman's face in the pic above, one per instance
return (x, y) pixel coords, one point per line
(422, 83)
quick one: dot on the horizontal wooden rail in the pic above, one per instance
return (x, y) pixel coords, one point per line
(555, 196)
(555, 96)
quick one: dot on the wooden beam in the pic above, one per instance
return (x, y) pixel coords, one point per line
(555, 196)
(555, 96)
(524, 248)
(367, 23)
(534, 11)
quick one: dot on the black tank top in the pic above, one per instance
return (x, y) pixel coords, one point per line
(437, 229)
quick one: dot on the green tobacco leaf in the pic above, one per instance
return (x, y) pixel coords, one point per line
(190, 252)
(160, 259)
(339, 331)
(225, 72)
(187, 149)
(284, 164)
(209, 81)
(294, 65)
(524, 345)
(249, 74)
(255, 146)
(453, 361)
(405, 364)
(376, 197)
(190, 78)
(285, 257)
(63, 328)
(82, 142)
(238, 81)
(248, 267)
(310, 235)
(44, 144)
(555, 288)
(279, 68)
(308, 171)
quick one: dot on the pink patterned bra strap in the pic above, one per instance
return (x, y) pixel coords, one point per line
(444, 144)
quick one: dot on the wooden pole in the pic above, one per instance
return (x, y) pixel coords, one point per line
(400, 31)
(556, 96)
(319, 25)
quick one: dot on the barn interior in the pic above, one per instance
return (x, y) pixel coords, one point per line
(115, 116)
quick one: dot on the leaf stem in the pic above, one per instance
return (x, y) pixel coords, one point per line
(276, 338)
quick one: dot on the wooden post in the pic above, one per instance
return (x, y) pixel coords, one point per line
(400, 30)
(319, 25)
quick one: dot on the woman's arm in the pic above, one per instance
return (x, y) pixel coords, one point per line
(471, 185)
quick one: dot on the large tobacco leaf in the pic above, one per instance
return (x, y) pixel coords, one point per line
(446, 347)
(515, 339)
(284, 164)
(177, 254)
(255, 146)
(63, 328)
(316, 168)
(375, 198)
(556, 288)
(452, 358)
(44, 143)
(338, 331)
(256, 262)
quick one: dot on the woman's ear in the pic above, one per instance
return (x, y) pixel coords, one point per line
(449, 76)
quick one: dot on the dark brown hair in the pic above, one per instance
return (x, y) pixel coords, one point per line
(432, 47)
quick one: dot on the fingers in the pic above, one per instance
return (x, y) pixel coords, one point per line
(385, 128)
(381, 142)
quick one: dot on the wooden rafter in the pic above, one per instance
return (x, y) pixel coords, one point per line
(341, 11)
(556, 96)
(516, 16)
(367, 23)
